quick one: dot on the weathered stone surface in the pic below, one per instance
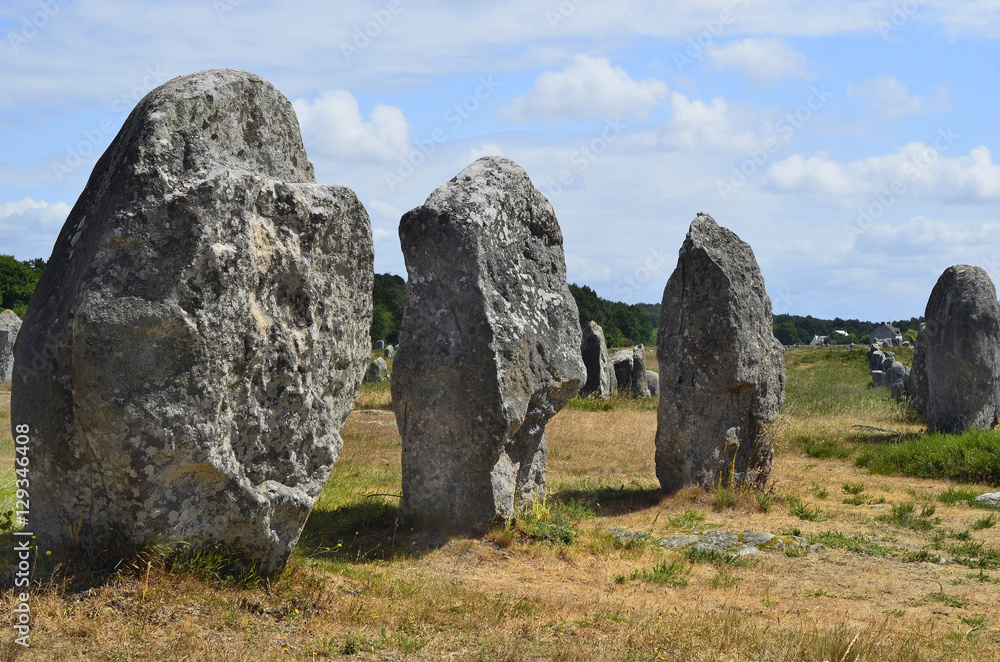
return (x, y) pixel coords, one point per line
(653, 383)
(10, 324)
(990, 499)
(198, 338)
(918, 374)
(639, 385)
(878, 379)
(490, 346)
(726, 368)
(621, 363)
(896, 379)
(601, 380)
(875, 360)
(390, 351)
(377, 371)
(962, 351)
(740, 544)
(379, 345)
(888, 362)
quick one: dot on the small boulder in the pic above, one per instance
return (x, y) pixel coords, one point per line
(390, 351)
(875, 360)
(379, 345)
(653, 384)
(639, 386)
(377, 371)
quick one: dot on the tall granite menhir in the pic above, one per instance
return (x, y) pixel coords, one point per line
(194, 346)
(722, 371)
(490, 347)
(960, 344)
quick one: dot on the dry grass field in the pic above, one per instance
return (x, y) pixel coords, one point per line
(556, 585)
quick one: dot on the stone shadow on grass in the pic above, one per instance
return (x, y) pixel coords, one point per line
(608, 501)
(370, 529)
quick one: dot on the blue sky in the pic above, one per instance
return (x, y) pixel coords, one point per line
(853, 144)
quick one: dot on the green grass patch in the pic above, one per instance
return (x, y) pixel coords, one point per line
(803, 510)
(687, 520)
(904, 515)
(827, 449)
(972, 457)
(616, 402)
(716, 557)
(987, 522)
(856, 543)
(954, 495)
(674, 573)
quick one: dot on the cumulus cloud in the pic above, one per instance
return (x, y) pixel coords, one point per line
(333, 127)
(762, 60)
(588, 88)
(715, 126)
(917, 170)
(891, 99)
(28, 228)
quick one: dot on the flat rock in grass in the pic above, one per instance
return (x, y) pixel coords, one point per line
(490, 347)
(198, 338)
(962, 351)
(10, 324)
(723, 542)
(990, 499)
(726, 368)
(601, 379)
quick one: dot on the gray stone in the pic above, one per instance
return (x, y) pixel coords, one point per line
(990, 499)
(723, 542)
(962, 351)
(621, 363)
(390, 351)
(198, 338)
(490, 347)
(639, 385)
(878, 379)
(379, 345)
(377, 371)
(875, 360)
(897, 378)
(918, 374)
(653, 383)
(600, 373)
(727, 370)
(10, 324)
(905, 343)
(888, 362)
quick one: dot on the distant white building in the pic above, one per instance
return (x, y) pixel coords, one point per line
(841, 332)
(885, 332)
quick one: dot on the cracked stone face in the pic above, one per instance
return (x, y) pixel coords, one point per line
(722, 371)
(199, 337)
(489, 346)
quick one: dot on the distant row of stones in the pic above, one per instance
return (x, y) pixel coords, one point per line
(201, 334)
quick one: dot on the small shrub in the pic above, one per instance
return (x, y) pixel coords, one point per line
(764, 502)
(724, 580)
(987, 522)
(954, 495)
(804, 511)
(904, 515)
(853, 488)
(723, 498)
(674, 573)
(856, 500)
(715, 557)
(689, 519)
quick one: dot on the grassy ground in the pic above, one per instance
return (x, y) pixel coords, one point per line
(556, 585)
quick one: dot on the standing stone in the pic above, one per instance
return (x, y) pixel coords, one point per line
(377, 371)
(726, 368)
(379, 345)
(962, 351)
(888, 362)
(198, 338)
(490, 346)
(600, 373)
(621, 363)
(878, 379)
(875, 360)
(639, 387)
(653, 383)
(10, 324)
(390, 351)
(918, 373)
(896, 378)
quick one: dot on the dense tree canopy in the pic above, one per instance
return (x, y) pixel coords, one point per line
(17, 282)
(624, 325)
(388, 297)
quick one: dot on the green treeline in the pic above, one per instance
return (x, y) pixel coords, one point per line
(624, 325)
(17, 282)
(792, 329)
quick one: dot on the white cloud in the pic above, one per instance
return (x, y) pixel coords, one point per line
(332, 127)
(31, 226)
(762, 60)
(715, 126)
(917, 170)
(891, 99)
(588, 88)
